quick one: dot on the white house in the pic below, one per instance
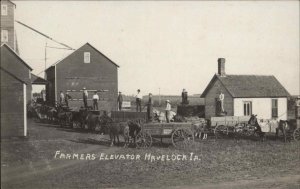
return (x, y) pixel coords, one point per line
(245, 95)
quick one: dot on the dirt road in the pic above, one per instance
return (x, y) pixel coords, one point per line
(31, 163)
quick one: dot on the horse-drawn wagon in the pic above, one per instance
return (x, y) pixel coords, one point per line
(228, 125)
(238, 126)
(181, 134)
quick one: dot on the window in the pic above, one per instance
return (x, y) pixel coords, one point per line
(87, 57)
(3, 10)
(274, 108)
(4, 36)
(247, 108)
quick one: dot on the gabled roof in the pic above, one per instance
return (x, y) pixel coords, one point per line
(247, 86)
(12, 75)
(15, 54)
(9, 2)
(80, 48)
(36, 80)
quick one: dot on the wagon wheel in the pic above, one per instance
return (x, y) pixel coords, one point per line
(182, 138)
(143, 140)
(296, 134)
(221, 131)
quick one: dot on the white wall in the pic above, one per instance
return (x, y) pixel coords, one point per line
(262, 107)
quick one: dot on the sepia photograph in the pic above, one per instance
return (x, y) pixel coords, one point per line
(150, 94)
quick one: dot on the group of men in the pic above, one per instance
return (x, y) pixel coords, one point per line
(64, 98)
(149, 106)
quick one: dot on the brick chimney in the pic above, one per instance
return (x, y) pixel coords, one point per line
(221, 66)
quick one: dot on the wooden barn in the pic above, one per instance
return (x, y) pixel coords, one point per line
(86, 67)
(15, 93)
(245, 95)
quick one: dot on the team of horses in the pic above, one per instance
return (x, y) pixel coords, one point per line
(85, 118)
(129, 130)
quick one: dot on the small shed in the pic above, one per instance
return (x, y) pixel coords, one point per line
(15, 89)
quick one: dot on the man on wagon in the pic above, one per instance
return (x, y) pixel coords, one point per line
(95, 100)
(168, 109)
(85, 96)
(61, 98)
(67, 98)
(120, 101)
(138, 101)
(150, 108)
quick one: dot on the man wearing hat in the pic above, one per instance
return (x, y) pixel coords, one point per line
(120, 101)
(184, 96)
(168, 109)
(95, 100)
(138, 101)
(150, 108)
(85, 97)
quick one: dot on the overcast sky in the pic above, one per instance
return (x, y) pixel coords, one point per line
(169, 45)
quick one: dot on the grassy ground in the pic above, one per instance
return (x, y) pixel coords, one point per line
(31, 163)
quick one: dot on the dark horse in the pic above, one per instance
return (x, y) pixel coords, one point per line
(282, 126)
(128, 129)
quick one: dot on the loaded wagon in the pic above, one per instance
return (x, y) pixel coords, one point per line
(181, 134)
(228, 125)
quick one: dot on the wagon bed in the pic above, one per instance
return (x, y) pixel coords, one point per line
(181, 134)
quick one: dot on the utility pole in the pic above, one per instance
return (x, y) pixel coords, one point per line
(159, 99)
(46, 55)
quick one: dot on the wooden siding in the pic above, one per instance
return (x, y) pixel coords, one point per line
(210, 100)
(14, 65)
(7, 23)
(100, 74)
(50, 87)
(12, 106)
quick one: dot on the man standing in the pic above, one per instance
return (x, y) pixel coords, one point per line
(120, 101)
(221, 98)
(138, 101)
(85, 96)
(150, 108)
(168, 109)
(61, 98)
(43, 93)
(67, 98)
(184, 96)
(95, 100)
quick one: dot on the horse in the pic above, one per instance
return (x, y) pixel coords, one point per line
(262, 127)
(51, 114)
(128, 129)
(284, 127)
(92, 121)
(64, 115)
(200, 127)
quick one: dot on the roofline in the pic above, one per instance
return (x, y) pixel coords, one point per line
(13, 75)
(38, 83)
(11, 2)
(5, 45)
(234, 96)
(209, 86)
(101, 54)
(288, 94)
(57, 62)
